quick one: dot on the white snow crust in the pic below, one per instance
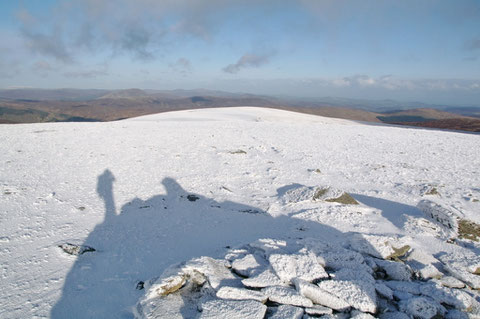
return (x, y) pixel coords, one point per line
(190, 188)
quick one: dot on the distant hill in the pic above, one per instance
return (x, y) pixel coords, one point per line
(40, 105)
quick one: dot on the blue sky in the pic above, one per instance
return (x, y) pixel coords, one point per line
(415, 50)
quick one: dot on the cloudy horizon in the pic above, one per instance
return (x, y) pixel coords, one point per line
(427, 51)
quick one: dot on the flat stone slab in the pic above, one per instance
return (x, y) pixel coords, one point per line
(303, 266)
(233, 309)
(286, 312)
(320, 296)
(286, 296)
(241, 294)
(358, 294)
(245, 265)
(262, 279)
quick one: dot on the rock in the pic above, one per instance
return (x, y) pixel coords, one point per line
(320, 296)
(456, 314)
(395, 270)
(344, 258)
(213, 269)
(378, 246)
(348, 274)
(463, 266)
(244, 266)
(453, 297)
(140, 285)
(240, 294)
(440, 215)
(451, 282)
(74, 249)
(298, 194)
(170, 306)
(358, 294)
(329, 194)
(355, 314)
(404, 286)
(429, 271)
(303, 266)
(383, 290)
(167, 285)
(262, 279)
(286, 296)
(394, 315)
(193, 198)
(421, 308)
(317, 310)
(285, 312)
(233, 309)
(268, 246)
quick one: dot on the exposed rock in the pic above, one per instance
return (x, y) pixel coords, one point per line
(421, 308)
(395, 270)
(76, 250)
(440, 215)
(213, 269)
(303, 266)
(287, 296)
(241, 294)
(285, 312)
(262, 279)
(233, 309)
(358, 294)
(244, 266)
(166, 286)
(320, 296)
(193, 198)
(383, 290)
(451, 282)
(430, 271)
(317, 310)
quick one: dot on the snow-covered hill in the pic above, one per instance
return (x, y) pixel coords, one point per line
(151, 192)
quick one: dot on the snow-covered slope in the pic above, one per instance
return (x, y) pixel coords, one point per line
(153, 191)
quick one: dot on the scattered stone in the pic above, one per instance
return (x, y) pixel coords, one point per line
(285, 312)
(212, 269)
(439, 215)
(302, 266)
(263, 279)
(76, 250)
(399, 253)
(404, 286)
(383, 290)
(233, 309)
(464, 266)
(240, 294)
(317, 310)
(192, 198)
(238, 152)
(395, 270)
(166, 286)
(360, 315)
(140, 285)
(348, 274)
(451, 282)
(81, 208)
(394, 315)
(268, 245)
(320, 296)
(244, 266)
(375, 245)
(332, 195)
(286, 296)
(453, 297)
(456, 314)
(421, 308)
(358, 294)
(430, 271)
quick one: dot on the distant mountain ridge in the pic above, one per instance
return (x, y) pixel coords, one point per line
(43, 105)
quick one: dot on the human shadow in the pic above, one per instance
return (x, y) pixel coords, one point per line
(397, 213)
(147, 236)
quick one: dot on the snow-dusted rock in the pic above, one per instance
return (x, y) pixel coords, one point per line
(286, 296)
(167, 307)
(355, 314)
(358, 294)
(451, 282)
(404, 286)
(354, 274)
(383, 290)
(378, 246)
(213, 269)
(456, 314)
(430, 271)
(298, 194)
(303, 266)
(423, 264)
(75, 249)
(463, 266)
(285, 312)
(317, 310)
(395, 270)
(394, 315)
(244, 266)
(166, 285)
(233, 309)
(262, 279)
(440, 215)
(421, 308)
(454, 297)
(344, 258)
(320, 296)
(240, 294)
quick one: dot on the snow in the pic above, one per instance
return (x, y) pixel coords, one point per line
(287, 296)
(288, 267)
(243, 309)
(125, 189)
(240, 294)
(286, 312)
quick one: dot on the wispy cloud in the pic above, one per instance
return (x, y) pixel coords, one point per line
(249, 60)
(182, 66)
